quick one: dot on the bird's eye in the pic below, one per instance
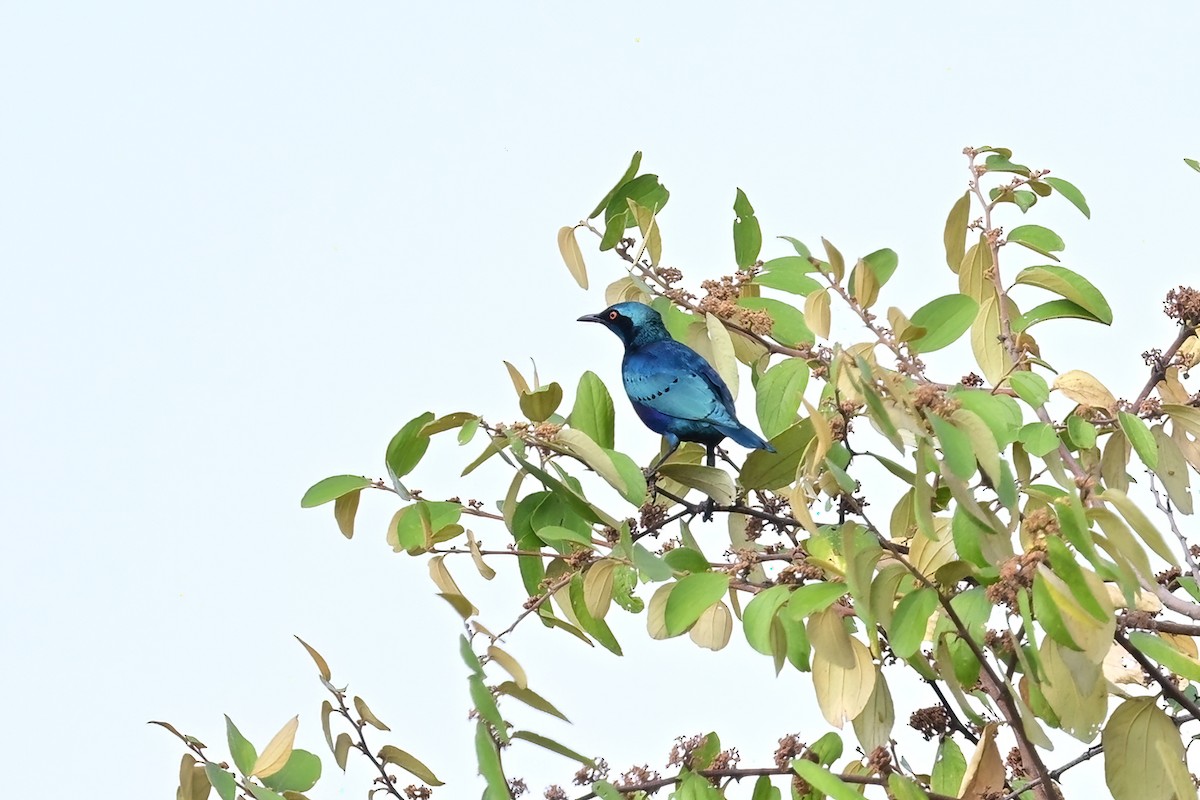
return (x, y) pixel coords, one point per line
(613, 315)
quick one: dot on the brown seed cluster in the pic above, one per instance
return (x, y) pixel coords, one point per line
(1183, 306)
(589, 775)
(555, 792)
(1040, 523)
(790, 747)
(971, 380)
(517, 787)
(721, 301)
(880, 761)
(932, 397)
(1015, 765)
(651, 516)
(1015, 574)
(930, 722)
(636, 776)
(683, 749)
(414, 792)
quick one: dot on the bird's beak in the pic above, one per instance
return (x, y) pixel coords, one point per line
(591, 318)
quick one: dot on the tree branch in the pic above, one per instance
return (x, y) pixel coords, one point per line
(737, 773)
(1168, 686)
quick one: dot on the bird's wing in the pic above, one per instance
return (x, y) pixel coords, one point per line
(675, 380)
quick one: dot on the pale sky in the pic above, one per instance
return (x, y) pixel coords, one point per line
(243, 243)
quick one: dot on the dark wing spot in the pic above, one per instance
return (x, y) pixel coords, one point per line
(668, 388)
(675, 381)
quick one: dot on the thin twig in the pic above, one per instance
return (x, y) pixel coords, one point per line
(1164, 505)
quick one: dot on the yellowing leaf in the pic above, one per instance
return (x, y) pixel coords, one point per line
(985, 771)
(721, 345)
(510, 665)
(955, 234)
(598, 587)
(365, 713)
(518, 380)
(816, 312)
(344, 510)
(714, 627)
(990, 353)
(322, 667)
(568, 247)
(1142, 749)
(1085, 389)
(277, 751)
(843, 692)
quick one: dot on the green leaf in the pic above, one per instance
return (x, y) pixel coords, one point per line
(883, 263)
(714, 482)
(1193, 163)
(800, 247)
(559, 536)
(552, 746)
(299, 774)
(813, 597)
(824, 781)
(789, 327)
(778, 395)
(1030, 387)
(763, 790)
(651, 567)
(222, 781)
(593, 410)
(764, 470)
(1081, 432)
(686, 559)
(1054, 309)
(634, 163)
(956, 447)
(949, 766)
(955, 234)
(598, 628)
(788, 274)
(1140, 437)
(1071, 193)
(539, 404)
(488, 757)
(485, 704)
(691, 596)
(263, 793)
(1000, 163)
(1069, 285)
(1166, 655)
(407, 447)
(1038, 239)
(1039, 438)
(944, 320)
(909, 621)
(243, 753)
(759, 615)
(747, 235)
(328, 489)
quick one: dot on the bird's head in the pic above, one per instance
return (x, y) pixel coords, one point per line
(634, 323)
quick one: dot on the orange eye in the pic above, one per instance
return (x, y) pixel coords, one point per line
(613, 315)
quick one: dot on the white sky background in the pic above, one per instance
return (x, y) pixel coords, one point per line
(243, 243)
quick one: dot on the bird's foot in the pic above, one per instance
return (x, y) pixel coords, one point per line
(708, 508)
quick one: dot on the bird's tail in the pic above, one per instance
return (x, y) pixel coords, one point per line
(747, 438)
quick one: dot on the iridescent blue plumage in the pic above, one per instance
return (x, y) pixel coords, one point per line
(674, 391)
